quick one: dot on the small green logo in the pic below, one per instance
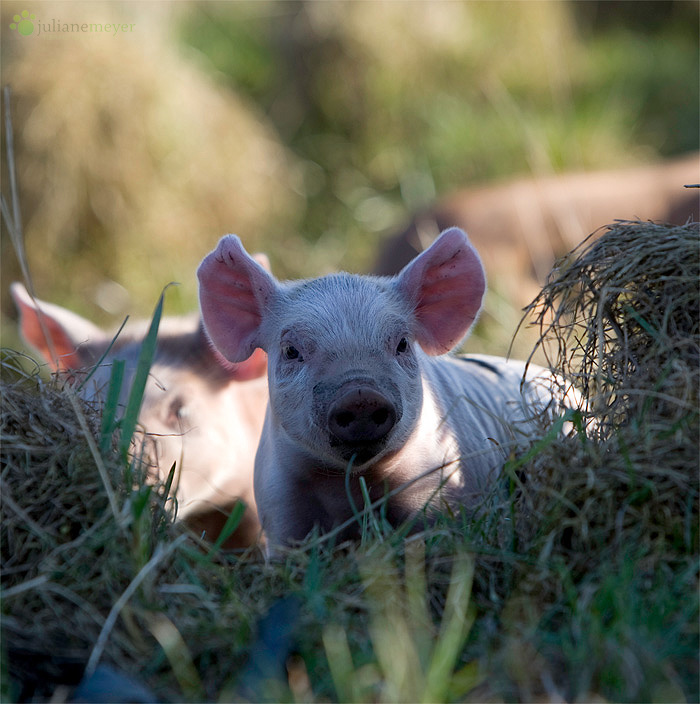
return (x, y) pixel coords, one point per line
(23, 23)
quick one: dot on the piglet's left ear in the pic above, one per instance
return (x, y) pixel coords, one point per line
(445, 284)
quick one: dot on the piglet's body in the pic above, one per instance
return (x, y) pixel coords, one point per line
(199, 412)
(358, 379)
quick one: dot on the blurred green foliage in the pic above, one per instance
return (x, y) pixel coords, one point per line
(390, 103)
(314, 129)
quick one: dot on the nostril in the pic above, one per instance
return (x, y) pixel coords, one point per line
(380, 416)
(344, 418)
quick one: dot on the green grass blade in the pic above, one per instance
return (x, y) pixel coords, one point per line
(340, 663)
(456, 623)
(348, 490)
(168, 485)
(109, 411)
(143, 368)
(369, 515)
(175, 648)
(102, 358)
(417, 599)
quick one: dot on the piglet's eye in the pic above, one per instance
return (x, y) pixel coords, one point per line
(402, 346)
(290, 352)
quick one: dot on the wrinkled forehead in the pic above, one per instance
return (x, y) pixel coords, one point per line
(343, 307)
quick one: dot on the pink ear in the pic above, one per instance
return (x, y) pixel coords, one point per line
(252, 368)
(264, 261)
(233, 293)
(54, 332)
(446, 284)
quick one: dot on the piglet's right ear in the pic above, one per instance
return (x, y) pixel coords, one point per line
(234, 291)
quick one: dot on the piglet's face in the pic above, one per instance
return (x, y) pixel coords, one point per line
(344, 376)
(344, 350)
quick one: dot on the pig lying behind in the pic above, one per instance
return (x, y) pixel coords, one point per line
(522, 225)
(199, 411)
(357, 376)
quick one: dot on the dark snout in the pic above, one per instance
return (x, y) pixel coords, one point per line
(361, 416)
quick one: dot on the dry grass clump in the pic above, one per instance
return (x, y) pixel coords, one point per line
(50, 487)
(73, 535)
(621, 315)
(625, 316)
(53, 490)
(602, 597)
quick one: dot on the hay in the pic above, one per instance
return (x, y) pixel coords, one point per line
(52, 490)
(624, 312)
(64, 554)
(621, 317)
(43, 450)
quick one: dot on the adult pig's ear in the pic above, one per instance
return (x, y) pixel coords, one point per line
(234, 291)
(252, 368)
(57, 334)
(264, 261)
(445, 285)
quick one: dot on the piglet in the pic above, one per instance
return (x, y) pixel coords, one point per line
(199, 411)
(360, 383)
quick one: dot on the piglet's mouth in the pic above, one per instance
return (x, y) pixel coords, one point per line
(357, 453)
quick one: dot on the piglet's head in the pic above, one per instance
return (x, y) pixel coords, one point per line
(443, 289)
(344, 351)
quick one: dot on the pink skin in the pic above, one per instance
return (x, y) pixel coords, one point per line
(199, 412)
(357, 376)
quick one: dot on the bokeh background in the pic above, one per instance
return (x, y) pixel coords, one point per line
(314, 130)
